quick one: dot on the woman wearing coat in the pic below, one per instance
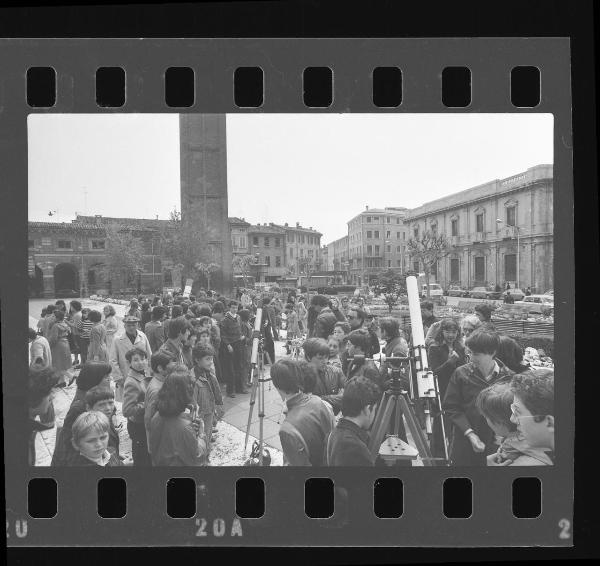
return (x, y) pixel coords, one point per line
(97, 350)
(111, 325)
(59, 343)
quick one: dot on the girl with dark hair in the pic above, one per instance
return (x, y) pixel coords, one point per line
(91, 375)
(146, 315)
(59, 342)
(73, 320)
(511, 355)
(175, 440)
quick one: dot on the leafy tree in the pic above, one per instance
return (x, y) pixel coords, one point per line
(187, 245)
(124, 255)
(390, 281)
(428, 249)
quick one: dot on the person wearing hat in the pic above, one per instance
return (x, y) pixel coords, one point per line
(131, 338)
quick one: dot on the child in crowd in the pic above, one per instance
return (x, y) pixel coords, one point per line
(494, 403)
(206, 393)
(161, 365)
(90, 433)
(134, 395)
(102, 399)
(341, 331)
(84, 326)
(97, 349)
(334, 352)
(291, 325)
(472, 439)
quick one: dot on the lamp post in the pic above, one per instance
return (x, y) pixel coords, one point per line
(499, 221)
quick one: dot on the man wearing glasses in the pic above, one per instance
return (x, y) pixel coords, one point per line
(533, 408)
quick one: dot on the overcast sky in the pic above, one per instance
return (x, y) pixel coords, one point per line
(317, 169)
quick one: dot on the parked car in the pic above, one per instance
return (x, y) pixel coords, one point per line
(478, 293)
(545, 300)
(435, 290)
(516, 293)
(67, 294)
(550, 292)
(493, 295)
(456, 291)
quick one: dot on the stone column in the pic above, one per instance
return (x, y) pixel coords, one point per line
(203, 162)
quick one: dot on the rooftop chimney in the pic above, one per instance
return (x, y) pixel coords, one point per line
(286, 223)
(297, 224)
(367, 207)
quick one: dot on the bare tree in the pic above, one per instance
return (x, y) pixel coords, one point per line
(428, 249)
(241, 265)
(207, 269)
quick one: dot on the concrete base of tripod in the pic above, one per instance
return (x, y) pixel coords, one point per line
(395, 402)
(257, 391)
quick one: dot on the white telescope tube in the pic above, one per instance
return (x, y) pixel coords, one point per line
(257, 325)
(416, 321)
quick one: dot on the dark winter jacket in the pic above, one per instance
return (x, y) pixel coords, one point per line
(440, 365)
(459, 403)
(330, 380)
(367, 369)
(348, 446)
(231, 330)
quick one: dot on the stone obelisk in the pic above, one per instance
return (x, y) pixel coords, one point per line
(203, 164)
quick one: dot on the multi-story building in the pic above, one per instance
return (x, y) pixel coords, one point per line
(239, 236)
(337, 252)
(65, 255)
(376, 242)
(267, 245)
(501, 231)
(303, 249)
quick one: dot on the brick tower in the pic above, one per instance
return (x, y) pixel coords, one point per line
(203, 164)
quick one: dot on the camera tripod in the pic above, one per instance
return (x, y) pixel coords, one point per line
(257, 390)
(397, 403)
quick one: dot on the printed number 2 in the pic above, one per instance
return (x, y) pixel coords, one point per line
(565, 526)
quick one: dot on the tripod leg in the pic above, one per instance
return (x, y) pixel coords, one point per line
(376, 425)
(416, 431)
(377, 434)
(255, 378)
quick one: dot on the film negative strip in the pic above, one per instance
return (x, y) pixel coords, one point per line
(513, 232)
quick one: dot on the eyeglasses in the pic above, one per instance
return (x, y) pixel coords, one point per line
(517, 416)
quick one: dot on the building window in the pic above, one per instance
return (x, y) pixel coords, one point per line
(277, 261)
(369, 249)
(510, 267)
(255, 240)
(267, 243)
(398, 263)
(454, 270)
(416, 266)
(376, 250)
(389, 248)
(397, 220)
(398, 249)
(389, 263)
(388, 234)
(303, 240)
(277, 243)
(416, 232)
(242, 241)
(404, 235)
(480, 269)
(31, 243)
(434, 230)
(268, 260)
(310, 253)
(98, 244)
(376, 235)
(511, 216)
(368, 219)
(291, 252)
(65, 244)
(301, 252)
(388, 219)
(375, 218)
(292, 238)
(479, 222)
(397, 235)
(454, 226)
(369, 234)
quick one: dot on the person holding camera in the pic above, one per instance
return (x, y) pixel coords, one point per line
(359, 344)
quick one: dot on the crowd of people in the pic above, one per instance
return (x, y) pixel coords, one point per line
(178, 356)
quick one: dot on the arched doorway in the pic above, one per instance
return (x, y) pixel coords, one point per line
(66, 277)
(36, 283)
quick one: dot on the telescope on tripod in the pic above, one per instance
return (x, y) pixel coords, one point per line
(412, 383)
(260, 456)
